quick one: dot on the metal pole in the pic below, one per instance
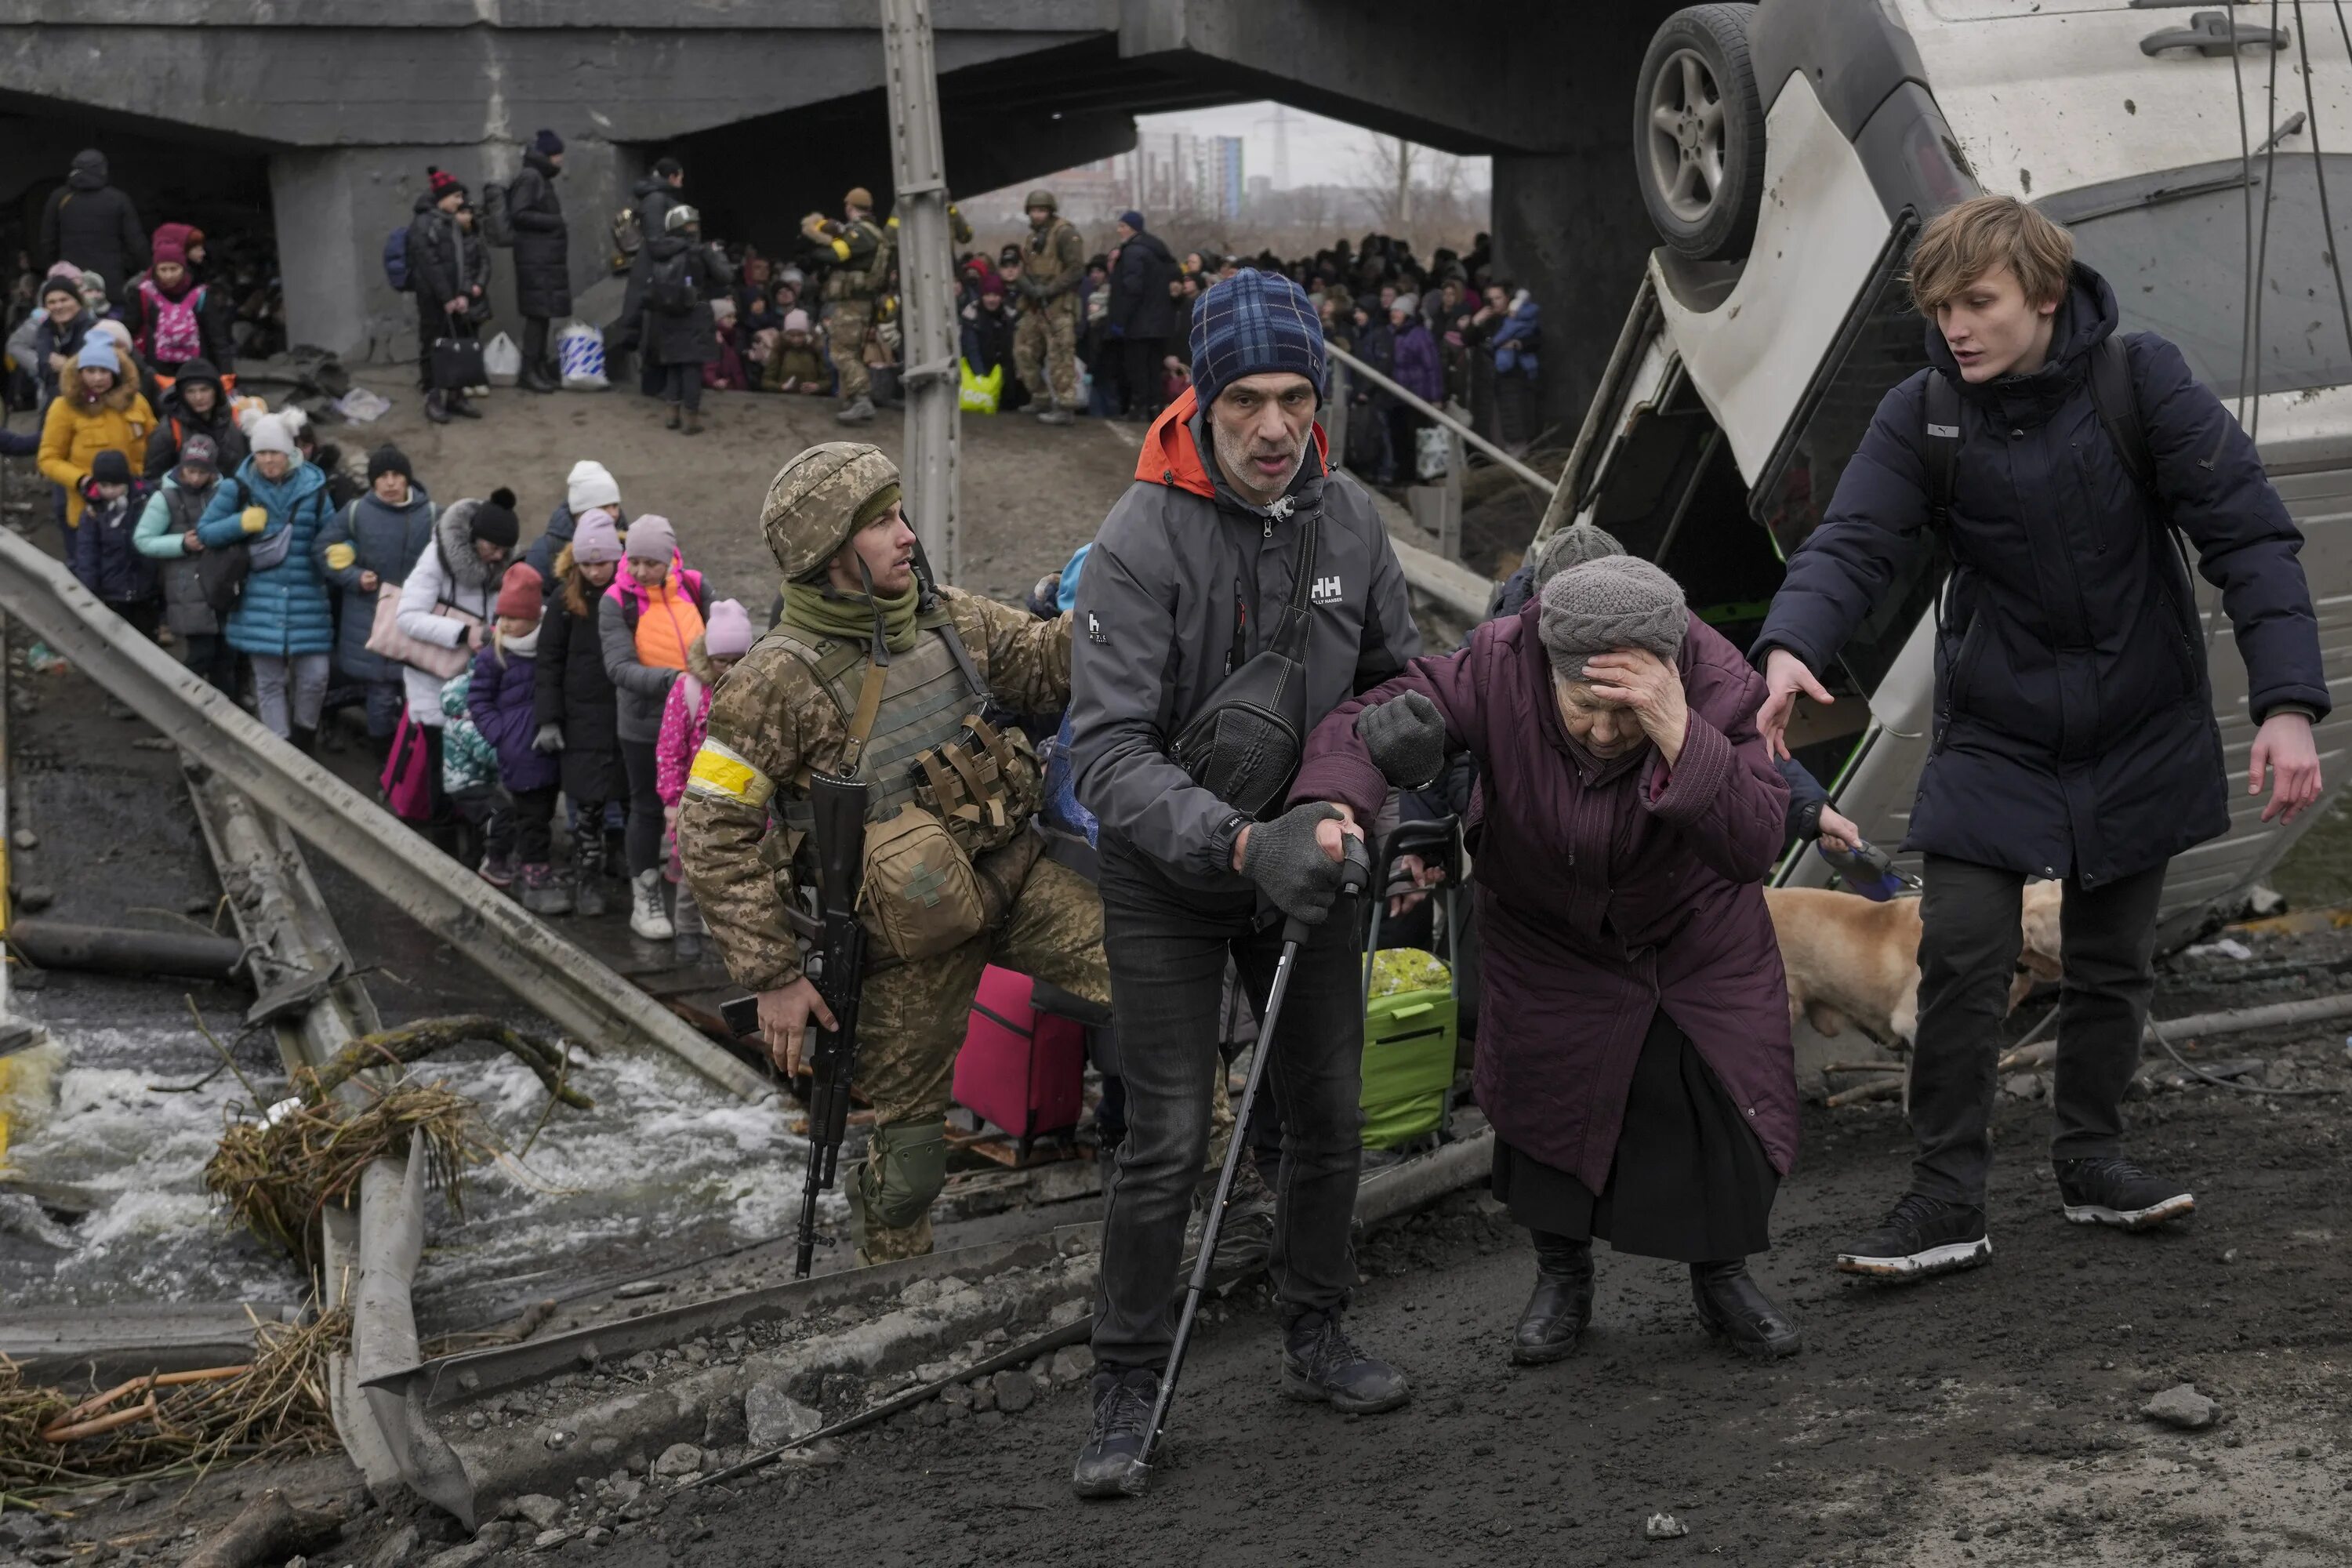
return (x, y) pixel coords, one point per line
(926, 281)
(1419, 405)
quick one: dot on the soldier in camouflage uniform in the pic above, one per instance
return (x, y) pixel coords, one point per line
(930, 761)
(861, 266)
(1045, 341)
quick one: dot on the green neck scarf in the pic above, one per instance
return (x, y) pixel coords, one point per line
(815, 607)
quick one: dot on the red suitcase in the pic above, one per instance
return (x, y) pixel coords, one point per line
(1020, 1068)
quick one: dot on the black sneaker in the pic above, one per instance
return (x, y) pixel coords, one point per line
(1123, 1403)
(1919, 1237)
(2116, 1191)
(1321, 1364)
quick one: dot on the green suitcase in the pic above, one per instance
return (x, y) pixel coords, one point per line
(1411, 1009)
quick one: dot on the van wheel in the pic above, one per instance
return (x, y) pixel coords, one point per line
(1698, 133)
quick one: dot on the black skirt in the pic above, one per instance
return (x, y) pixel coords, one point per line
(1690, 1180)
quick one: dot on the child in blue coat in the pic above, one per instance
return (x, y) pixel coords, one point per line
(499, 701)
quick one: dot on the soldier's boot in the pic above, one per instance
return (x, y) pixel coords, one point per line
(1053, 413)
(890, 1196)
(860, 412)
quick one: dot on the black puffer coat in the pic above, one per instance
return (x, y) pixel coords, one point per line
(691, 338)
(1141, 305)
(575, 692)
(91, 224)
(174, 422)
(543, 245)
(2075, 729)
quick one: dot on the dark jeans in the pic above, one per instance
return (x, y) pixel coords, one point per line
(534, 815)
(682, 384)
(1143, 357)
(645, 840)
(209, 655)
(1968, 956)
(1167, 949)
(534, 342)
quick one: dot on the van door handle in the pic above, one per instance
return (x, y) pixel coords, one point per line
(2209, 33)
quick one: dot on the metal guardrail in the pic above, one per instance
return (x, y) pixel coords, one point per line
(580, 995)
(1469, 437)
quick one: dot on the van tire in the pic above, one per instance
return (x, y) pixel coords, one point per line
(1698, 133)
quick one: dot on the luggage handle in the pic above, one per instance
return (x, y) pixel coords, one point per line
(1442, 834)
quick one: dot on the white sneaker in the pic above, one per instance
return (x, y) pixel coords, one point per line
(646, 918)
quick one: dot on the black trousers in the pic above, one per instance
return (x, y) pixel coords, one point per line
(534, 342)
(682, 384)
(534, 815)
(644, 840)
(1167, 948)
(1143, 357)
(1968, 956)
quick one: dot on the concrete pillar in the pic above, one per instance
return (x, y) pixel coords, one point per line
(1571, 227)
(335, 206)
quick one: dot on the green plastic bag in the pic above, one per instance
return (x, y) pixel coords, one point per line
(978, 393)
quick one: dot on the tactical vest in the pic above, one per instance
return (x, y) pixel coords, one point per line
(854, 281)
(930, 746)
(1042, 258)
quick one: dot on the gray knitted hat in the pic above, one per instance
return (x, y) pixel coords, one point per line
(1616, 602)
(1573, 546)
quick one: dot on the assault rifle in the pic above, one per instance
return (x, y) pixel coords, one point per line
(836, 967)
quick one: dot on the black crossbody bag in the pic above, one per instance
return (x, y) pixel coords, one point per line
(1245, 743)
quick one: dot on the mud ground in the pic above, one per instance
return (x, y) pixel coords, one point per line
(1032, 494)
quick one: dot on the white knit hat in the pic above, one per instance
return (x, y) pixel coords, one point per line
(588, 486)
(269, 433)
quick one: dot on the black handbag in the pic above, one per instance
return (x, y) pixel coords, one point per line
(457, 363)
(1245, 743)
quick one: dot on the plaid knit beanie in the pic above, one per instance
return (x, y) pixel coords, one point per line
(1250, 324)
(1616, 602)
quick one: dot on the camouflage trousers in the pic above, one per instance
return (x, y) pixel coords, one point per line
(911, 1024)
(1045, 340)
(845, 340)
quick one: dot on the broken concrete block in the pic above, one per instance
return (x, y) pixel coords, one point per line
(1663, 1527)
(2182, 1407)
(538, 1508)
(1014, 1392)
(678, 1460)
(1072, 1363)
(773, 1417)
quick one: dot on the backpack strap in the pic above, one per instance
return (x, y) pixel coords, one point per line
(1942, 410)
(2117, 402)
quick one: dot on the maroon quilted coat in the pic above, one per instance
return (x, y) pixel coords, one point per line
(1596, 905)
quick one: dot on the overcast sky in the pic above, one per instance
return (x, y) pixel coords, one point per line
(1322, 151)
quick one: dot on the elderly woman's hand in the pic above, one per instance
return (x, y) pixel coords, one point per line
(1648, 688)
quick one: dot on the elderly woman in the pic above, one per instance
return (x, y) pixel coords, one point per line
(1633, 1036)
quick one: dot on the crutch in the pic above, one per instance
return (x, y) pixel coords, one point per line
(1355, 878)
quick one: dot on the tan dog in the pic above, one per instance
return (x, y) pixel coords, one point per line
(1850, 961)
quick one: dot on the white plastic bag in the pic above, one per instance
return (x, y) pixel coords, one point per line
(580, 354)
(1433, 455)
(501, 361)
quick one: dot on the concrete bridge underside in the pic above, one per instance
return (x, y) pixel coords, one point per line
(334, 108)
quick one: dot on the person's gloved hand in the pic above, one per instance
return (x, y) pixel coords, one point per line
(253, 519)
(1406, 738)
(1289, 866)
(550, 739)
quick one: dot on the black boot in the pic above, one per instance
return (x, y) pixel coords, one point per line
(1122, 1403)
(1321, 1364)
(1563, 1302)
(588, 873)
(305, 740)
(1732, 1308)
(436, 407)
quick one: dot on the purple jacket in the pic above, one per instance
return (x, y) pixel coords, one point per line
(1598, 905)
(505, 687)
(1418, 368)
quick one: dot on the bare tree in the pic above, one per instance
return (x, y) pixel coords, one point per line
(1415, 192)
(1389, 165)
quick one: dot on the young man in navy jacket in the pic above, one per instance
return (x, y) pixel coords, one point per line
(2074, 733)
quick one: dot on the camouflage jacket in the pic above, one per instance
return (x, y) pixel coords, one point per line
(772, 723)
(1053, 263)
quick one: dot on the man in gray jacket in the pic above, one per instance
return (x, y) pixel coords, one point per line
(1187, 580)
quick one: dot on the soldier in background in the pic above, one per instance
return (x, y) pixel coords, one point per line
(1045, 344)
(861, 264)
(955, 879)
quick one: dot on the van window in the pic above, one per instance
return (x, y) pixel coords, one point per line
(2173, 246)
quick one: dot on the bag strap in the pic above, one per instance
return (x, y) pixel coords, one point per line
(1942, 410)
(2117, 402)
(861, 723)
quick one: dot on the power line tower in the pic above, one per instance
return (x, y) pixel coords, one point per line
(1280, 120)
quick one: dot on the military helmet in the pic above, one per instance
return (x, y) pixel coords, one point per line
(859, 196)
(1041, 199)
(678, 217)
(821, 498)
